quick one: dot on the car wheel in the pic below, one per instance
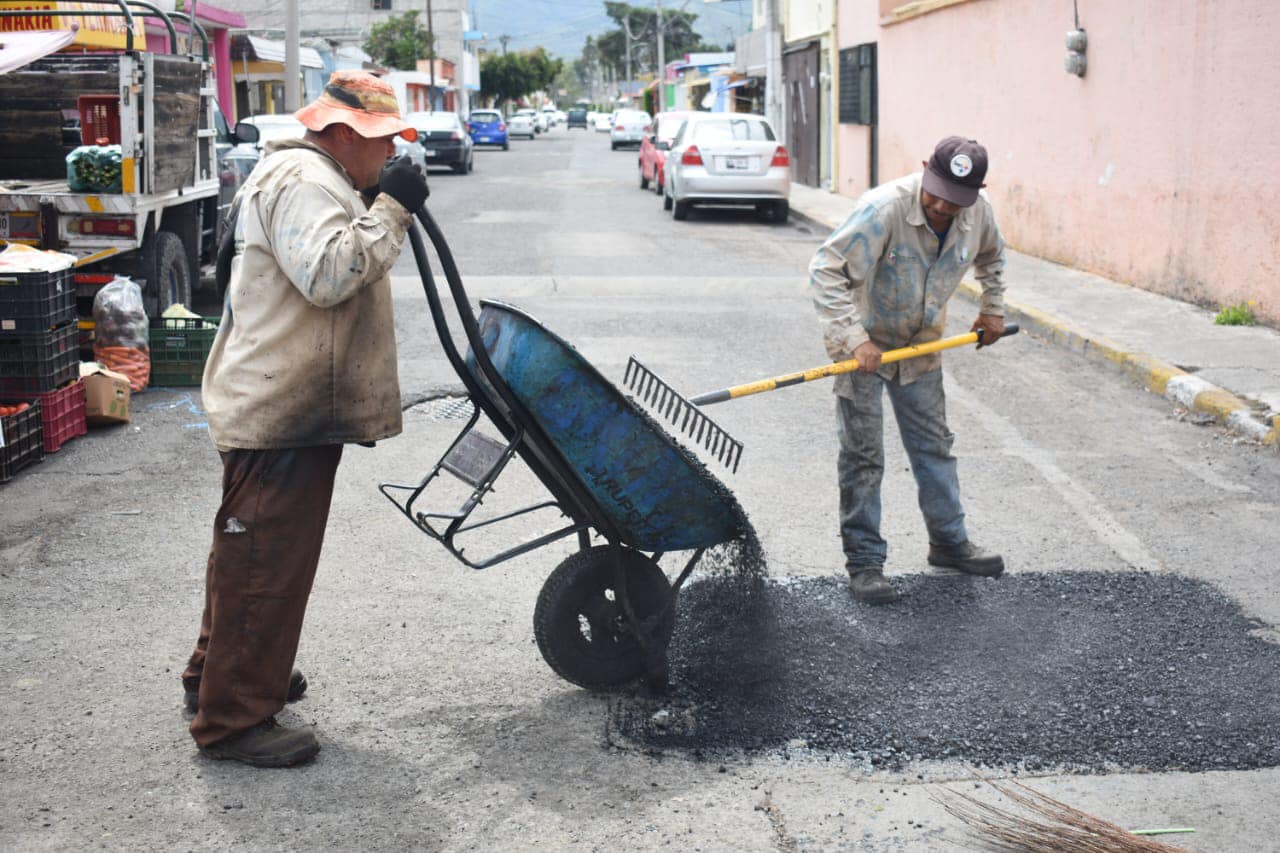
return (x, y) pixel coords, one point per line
(666, 202)
(680, 210)
(657, 184)
(613, 146)
(644, 182)
(781, 210)
(506, 146)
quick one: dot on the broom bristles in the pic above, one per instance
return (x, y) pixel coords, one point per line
(1066, 830)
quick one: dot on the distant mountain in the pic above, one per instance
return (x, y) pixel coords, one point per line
(561, 26)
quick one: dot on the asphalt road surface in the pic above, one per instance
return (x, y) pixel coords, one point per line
(1126, 664)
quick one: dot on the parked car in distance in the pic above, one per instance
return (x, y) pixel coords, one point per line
(521, 123)
(272, 127)
(540, 122)
(412, 150)
(237, 155)
(727, 159)
(487, 127)
(550, 115)
(654, 145)
(604, 123)
(576, 117)
(629, 128)
(442, 140)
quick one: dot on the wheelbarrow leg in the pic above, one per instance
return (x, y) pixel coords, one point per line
(654, 679)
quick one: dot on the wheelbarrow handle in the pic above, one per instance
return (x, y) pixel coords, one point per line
(836, 368)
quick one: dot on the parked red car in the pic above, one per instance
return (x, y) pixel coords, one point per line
(655, 144)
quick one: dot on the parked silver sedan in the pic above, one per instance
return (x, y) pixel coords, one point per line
(727, 159)
(521, 124)
(629, 127)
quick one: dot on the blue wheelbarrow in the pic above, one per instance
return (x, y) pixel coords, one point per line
(605, 615)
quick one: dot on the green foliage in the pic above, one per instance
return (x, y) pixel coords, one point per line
(679, 37)
(399, 42)
(506, 76)
(1240, 314)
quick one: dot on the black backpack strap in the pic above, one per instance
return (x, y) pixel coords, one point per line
(227, 247)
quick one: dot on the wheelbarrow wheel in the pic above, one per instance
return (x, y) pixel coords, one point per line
(580, 626)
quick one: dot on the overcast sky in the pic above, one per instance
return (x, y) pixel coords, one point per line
(561, 26)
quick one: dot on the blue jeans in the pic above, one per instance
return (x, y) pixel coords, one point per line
(920, 409)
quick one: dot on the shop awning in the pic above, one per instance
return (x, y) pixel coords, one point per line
(18, 49)
(258, 49)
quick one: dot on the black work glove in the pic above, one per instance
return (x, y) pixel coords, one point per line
(404, 182)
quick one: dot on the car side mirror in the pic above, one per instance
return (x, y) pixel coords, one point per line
(662, 145)
(245, 132)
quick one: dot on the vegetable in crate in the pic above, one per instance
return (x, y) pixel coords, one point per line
(120, 331)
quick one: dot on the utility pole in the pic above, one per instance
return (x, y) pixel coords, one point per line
(660, 101)
(504, 40)
(431, 58)
(773, 83)
(292, 62)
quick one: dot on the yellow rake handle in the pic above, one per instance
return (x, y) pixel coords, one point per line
(841, 367)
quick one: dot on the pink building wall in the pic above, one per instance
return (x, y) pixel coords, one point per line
(1156, 169)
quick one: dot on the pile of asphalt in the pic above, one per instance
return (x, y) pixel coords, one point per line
(1070, 670)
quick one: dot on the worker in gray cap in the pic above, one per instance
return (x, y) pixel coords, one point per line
(882, 280)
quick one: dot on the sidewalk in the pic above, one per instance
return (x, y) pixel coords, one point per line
(1229, 373)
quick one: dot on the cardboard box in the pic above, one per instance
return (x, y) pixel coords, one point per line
(106, 394)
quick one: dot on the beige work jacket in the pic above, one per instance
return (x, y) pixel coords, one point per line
(880, 276)
(306, 351)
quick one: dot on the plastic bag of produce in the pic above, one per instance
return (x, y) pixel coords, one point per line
(120, 338)
(94, 168)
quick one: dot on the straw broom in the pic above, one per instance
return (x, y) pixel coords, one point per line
(1051, 827)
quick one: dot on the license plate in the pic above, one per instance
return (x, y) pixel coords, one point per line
(737, 163)
(486, 139)
(428, 152)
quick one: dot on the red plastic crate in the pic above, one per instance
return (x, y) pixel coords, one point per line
(62, 415)
(22, 442)
(99, 119)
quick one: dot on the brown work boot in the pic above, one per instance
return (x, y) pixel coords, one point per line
(268, 744)
(868, 585)
(968, 558)
(191, 690)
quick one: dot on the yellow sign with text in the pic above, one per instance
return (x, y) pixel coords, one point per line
(92, 28)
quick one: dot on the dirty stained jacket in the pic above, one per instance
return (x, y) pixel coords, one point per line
(880, 277)
(305, 354)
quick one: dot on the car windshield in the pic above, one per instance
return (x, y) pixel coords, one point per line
(668, 125)
(732, 130)
(485, 118)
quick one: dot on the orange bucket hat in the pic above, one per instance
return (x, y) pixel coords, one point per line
(361, 101)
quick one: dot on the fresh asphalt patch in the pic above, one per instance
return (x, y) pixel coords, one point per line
(1085, 671)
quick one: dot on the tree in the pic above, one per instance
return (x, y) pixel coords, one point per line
(506, 76)
(399, 42)
(679, 36)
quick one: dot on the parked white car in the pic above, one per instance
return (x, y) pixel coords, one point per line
(727, 159)
(629, 128)
(549, 116)
(521, 123)
(604, 122)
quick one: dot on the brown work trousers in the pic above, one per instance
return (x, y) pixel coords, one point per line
(266, 546)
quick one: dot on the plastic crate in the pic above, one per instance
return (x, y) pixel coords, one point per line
(179, 349)
(62, 415)
(23, 442)
(99, 119)
(34, 362)
(36, 301)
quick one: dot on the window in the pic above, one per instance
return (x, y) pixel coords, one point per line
(858, 101)
(732, 130)
(381, 5)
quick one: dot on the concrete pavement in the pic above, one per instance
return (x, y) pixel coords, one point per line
(1228, 373)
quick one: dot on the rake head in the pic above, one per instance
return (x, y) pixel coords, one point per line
(666, 401)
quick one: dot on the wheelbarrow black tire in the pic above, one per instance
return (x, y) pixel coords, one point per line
(580, 628)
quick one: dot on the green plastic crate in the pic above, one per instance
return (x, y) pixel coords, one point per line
(179, 349)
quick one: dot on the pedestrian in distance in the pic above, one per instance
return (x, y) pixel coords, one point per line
(304, 362)
(882, 280)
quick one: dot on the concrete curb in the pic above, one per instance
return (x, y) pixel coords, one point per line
(1176, 384)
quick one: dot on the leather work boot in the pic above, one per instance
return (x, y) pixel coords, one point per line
(869, 586)
(191, 690)
(968, 558)
(268, 744)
